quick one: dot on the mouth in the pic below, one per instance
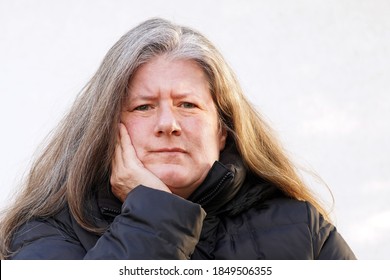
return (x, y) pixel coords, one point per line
(169, 150)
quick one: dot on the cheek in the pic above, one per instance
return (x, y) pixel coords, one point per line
(208, 141)
(136, 131)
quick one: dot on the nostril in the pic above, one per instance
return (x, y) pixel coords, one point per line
(172, 129)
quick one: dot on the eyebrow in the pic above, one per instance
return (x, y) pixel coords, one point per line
(183, 94)
(147, 96)
(141, 96)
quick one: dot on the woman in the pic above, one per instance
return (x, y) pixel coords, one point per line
(162, 157)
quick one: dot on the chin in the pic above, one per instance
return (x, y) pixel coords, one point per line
(179, 183)
(171, 175)
(181, 180)
(174, 181)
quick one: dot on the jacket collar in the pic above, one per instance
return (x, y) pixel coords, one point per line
(223, 181)
(109, 205)
(230, 188)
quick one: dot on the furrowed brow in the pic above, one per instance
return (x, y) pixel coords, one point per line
(141, 96)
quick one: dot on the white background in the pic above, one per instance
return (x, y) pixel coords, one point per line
(319, 71)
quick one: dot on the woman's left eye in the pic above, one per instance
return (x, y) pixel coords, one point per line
(187, 105)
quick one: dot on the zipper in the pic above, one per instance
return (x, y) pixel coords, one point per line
(110, 211)
(215, 190)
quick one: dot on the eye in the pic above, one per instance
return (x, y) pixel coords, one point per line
(187, 105)
(144, 107)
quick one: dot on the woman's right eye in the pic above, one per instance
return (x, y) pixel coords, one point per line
(144, 107)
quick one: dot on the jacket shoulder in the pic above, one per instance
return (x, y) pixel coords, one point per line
(326, 241)
(284, 228)
(328, 244)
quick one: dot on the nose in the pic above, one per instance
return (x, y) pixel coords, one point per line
(167, 123)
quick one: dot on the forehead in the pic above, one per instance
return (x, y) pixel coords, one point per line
(163, 72)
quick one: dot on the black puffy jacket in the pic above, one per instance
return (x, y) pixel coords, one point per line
(247, 218)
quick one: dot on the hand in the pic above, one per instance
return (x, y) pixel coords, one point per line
(128, 171)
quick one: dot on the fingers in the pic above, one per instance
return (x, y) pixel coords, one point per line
(129, 155)
(118, 151)
(124, 138)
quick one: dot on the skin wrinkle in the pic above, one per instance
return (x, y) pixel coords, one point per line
(169, 106)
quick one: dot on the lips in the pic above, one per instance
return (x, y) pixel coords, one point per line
(169, 150)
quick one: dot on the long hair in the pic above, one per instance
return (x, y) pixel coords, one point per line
(77, 159)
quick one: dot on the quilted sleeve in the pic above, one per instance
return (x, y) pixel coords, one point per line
(153, 225)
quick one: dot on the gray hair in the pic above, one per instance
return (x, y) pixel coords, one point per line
(77, 159)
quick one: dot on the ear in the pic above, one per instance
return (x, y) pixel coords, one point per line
(222, 137)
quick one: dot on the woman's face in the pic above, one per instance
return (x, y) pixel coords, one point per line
(173, 122)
